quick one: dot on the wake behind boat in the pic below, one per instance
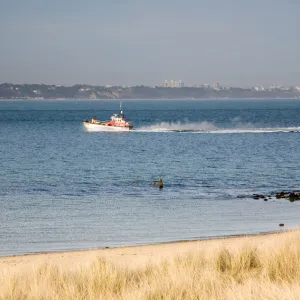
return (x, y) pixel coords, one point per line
(117, 122)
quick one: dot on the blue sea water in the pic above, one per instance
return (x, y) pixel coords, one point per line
(62, 188)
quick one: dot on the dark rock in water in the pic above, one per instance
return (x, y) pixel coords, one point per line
(281, 224)
(280, 195)
(292, 196)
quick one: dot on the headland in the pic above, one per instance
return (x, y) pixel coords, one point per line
(81, 91)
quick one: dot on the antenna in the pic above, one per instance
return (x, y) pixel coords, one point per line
(121, 112)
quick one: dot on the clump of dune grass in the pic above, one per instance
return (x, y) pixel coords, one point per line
(283, 265)
(243, 273)
(239, 266)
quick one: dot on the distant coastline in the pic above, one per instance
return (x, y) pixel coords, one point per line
(152, 99)
(9, 91)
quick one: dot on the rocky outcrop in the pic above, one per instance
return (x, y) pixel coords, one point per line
(291, 196)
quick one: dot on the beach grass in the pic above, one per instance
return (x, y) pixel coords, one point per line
(247, 271)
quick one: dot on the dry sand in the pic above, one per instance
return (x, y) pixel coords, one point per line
(135, 256)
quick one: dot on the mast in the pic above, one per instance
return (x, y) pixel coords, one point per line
(121, 112)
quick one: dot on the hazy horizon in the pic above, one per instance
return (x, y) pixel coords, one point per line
(140, 42)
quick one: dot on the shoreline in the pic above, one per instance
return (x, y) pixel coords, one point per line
(209, 238)
(264, 266)
(135, 256)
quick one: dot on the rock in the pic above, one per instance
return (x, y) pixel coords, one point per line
(288, 195)
(291, 196)
(294, 196)
(280, 195)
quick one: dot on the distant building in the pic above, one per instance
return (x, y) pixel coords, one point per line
(259, 88)
(173, 84)
(216, 85)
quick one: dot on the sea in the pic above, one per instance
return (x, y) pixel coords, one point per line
(63, 188)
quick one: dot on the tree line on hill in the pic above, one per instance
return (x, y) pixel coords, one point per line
(82, 91)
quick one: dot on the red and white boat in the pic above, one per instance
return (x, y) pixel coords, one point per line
(117, 122)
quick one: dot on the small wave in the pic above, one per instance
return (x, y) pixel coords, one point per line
(258, 130)
(40, 190)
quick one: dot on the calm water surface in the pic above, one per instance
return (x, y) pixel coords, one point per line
(62, 188)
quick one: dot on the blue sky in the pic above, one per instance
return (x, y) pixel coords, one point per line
(128, 42)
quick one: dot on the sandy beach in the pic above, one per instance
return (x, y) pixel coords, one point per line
(265, 266)
(137, 256)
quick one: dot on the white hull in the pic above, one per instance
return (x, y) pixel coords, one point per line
(100, 127)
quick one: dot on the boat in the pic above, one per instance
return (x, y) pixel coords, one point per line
(117, 122)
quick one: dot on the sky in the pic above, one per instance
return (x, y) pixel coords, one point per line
(131, 42)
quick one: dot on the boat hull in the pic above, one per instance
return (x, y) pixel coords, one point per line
(100, 127)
